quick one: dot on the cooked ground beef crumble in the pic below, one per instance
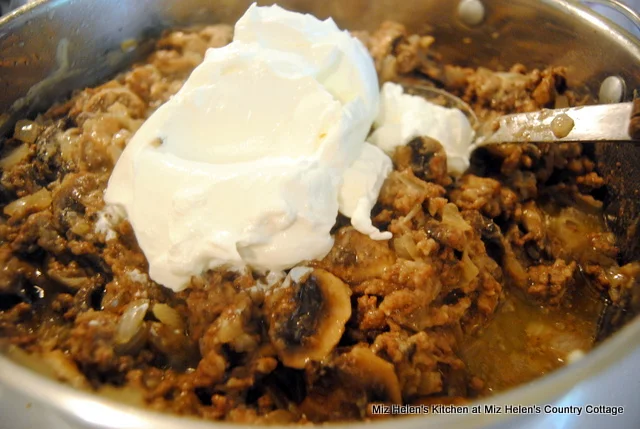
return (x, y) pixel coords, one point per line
(489, 281)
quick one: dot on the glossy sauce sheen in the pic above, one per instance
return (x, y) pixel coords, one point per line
(525, 340)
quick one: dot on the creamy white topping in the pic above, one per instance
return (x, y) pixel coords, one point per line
(404, 117)
(250, 162)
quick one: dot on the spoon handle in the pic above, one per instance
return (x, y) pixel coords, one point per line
(606, 122)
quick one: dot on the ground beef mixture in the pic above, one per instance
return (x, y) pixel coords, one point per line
(490, 280)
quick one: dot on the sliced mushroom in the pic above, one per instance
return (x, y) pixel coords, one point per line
(75, 198)
(307, 315)
(426, 158)
(490, 233)
(355, 257)
(363, 367)
(71, 275)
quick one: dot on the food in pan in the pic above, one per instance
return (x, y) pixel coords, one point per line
(243, 247)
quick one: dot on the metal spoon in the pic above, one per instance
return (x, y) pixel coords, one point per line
(606, 122)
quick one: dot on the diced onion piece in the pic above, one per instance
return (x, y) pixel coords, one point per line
(469, 271)
(15, 156)
(406, 247)
(27, 131)
(168, 316)
(451, 216)
(81, 228)
(35, 202)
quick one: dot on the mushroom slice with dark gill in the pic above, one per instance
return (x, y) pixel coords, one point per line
(350, 383)
(378, 376)
(307, 315)
(426, 158)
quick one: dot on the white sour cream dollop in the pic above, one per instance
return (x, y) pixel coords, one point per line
(251, 161)
(404, 117)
